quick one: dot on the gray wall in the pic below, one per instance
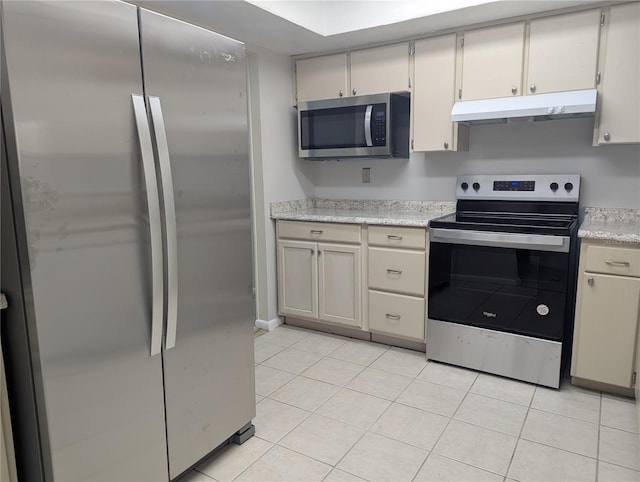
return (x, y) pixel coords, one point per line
(610, 174)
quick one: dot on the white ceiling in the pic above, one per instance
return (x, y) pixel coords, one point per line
(305, 26)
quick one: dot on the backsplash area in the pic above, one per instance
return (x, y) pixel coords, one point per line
(610, 174)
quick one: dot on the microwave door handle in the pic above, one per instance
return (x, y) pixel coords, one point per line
(367, 125)
(153, 205)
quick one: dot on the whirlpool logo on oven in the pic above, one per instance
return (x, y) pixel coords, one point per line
(488, 314)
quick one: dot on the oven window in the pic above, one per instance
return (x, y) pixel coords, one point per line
(514, 290)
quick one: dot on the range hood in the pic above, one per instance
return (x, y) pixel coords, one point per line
(557, 105)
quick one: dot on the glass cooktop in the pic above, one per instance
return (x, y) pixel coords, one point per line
(559, 225)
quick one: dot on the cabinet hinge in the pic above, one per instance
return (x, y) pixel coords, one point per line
(462, 42)
(602, 20)
(633, 379)
(459, 93)
(598, 78)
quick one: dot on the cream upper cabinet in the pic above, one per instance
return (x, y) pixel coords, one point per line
(619, 112)
(607, 310)
(492, 62)
(563, 52)
(560, 53)
(321, 77)
(361, 72)
(433, 95)
(380, 69)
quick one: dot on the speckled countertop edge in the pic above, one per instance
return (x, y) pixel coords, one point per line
(390, 212)
(620, 225)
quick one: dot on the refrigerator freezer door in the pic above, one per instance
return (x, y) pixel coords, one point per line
(199, 77)
(78, 193)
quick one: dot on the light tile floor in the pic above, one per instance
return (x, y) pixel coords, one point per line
(337, 409)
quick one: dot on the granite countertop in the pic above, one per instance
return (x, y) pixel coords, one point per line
(610, 224)
(396, 213)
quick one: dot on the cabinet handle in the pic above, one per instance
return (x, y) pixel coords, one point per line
(514, 90)
(394, 271)
(313, 251)
(354, 91)
(394, 237)
(607, 136)
(590, 281)
(532, 88)
(391, 316)
(446, 145)
(341, 93)
(624, 264)
(316, 231)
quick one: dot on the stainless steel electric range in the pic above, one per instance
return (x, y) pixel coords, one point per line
(502, 274)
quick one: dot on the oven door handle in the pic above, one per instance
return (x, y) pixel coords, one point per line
(534, 242)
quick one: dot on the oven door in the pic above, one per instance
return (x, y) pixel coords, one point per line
(515, 283)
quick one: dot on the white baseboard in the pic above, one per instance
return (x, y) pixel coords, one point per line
(269, 325)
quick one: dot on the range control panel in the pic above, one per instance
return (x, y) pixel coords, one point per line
(533, 187)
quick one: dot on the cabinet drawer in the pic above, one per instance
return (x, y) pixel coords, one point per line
(397, 237)
(341, 233)
(397, 270)
(613, 260)
(397, 315)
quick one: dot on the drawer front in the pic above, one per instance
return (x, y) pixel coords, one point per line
(613, 260)
(397, 237)
(340, 233)
(397, 270)
(396, 315)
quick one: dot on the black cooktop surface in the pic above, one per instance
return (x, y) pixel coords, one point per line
(526, 223)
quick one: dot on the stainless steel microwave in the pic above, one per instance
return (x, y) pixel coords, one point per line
(364, 126)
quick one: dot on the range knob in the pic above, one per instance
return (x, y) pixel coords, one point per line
(476, 186)
(568, 186)
(554, 186)
(464, 186)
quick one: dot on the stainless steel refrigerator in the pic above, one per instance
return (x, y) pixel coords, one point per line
(126, 241)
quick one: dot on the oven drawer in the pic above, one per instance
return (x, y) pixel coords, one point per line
(397, 270)
(397, 315)
(397, 237)
(613, 260)
(339, 233)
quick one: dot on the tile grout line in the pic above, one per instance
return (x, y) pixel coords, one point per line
(598, 439)
(526, 416)
(435, 444)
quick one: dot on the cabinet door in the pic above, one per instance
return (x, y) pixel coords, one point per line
(380, 69)
(321, 77)
(433, 94)
(563, 52)
(340, 287)
(606, 325)
(298, 279)
(492, 62)
(620, 95)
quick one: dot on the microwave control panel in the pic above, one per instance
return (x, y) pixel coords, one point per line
(379, 124)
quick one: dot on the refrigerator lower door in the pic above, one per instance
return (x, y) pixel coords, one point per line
(199, 79)
(82, 224)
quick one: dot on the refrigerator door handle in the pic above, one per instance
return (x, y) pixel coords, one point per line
(155, 229)
(170, 220)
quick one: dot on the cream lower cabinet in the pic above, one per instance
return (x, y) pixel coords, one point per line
(320, 280)
(607, 311)
(397, 281)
